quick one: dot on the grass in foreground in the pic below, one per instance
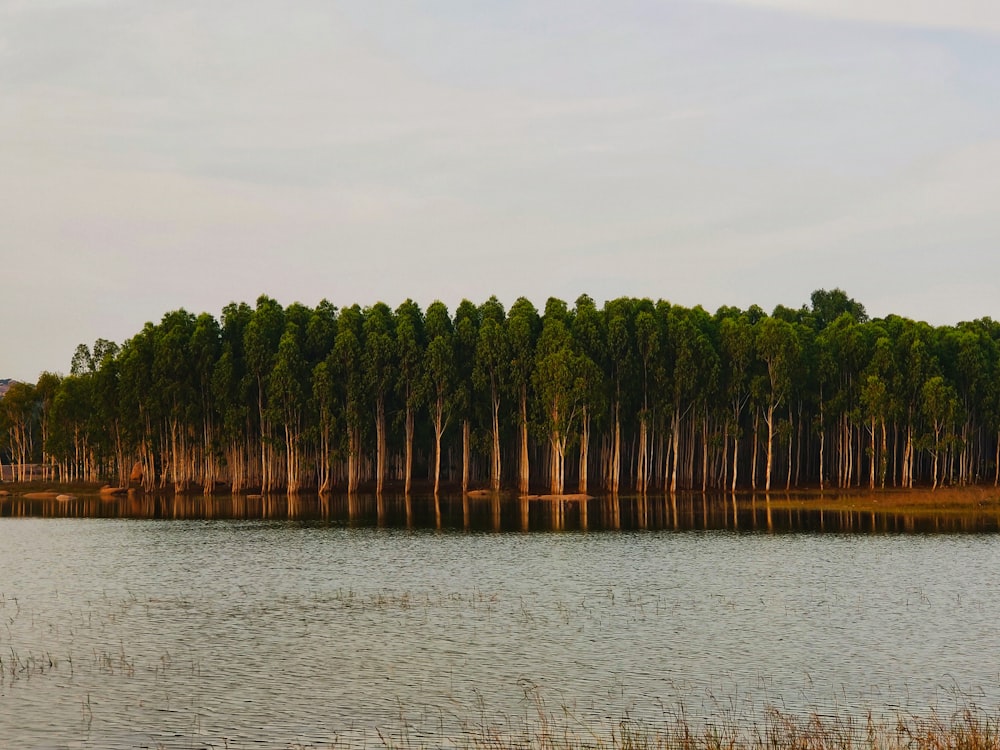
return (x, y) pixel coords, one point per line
(969, 729)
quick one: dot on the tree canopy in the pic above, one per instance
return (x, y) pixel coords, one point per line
(635, 395)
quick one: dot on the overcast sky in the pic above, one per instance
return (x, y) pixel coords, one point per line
(157, 155)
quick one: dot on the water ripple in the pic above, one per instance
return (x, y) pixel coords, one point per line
(119, 634)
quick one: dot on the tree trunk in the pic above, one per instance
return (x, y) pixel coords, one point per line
(883, 457)
(380, 444)
(439, 425)
(871, 463)
(675, 426)
(495, 462)
(353, 459)
(689, 472)
(704, 452)
(822, 438)
(292, 461)
(788, 478)
(263, 436)
(616, 452)
(323, 460)
(908, 457)
(725, 455)
(798, 446)
(408, 460)
(556, 468)
(641, 457)
(770, 446)
(523, 475)
(736, 451)
(437, 459)
(466, 450)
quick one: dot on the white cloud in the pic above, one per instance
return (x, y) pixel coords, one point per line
(185, 154)
(969, 15)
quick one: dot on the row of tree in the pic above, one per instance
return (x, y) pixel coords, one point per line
(634, 395)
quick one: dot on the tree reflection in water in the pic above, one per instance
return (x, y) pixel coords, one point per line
(773, 513)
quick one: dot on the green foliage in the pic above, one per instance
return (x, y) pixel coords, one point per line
(492, 355)
(261, 382)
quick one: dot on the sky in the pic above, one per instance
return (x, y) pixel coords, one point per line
(167, 154)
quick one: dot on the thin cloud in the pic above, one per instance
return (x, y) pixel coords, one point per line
(190, 154)
(981, 16)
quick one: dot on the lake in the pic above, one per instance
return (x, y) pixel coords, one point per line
(305, 623)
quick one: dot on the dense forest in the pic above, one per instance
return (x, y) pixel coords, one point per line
(632, 396)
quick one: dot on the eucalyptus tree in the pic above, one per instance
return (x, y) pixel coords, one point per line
(557, 386)
(827, 375)
(45, 391)
(107, 403)
(83, 361)
(205, 348)
(683, 337)
(320, 333)
(800, 396)
(970, 364)
(491, 373)
(706, 346)
(737, 349)
(523, 328)
(827, 306)
(845, 344)
(619, 318)
(287, 389)
(231, 391)
(93, 404)
(139, 408)
(173, 383)
(79, 406)
(349, 376)
(380, 377)
(590, 334)
(915, 364)
(410, 351)
(466, 337)
(19, 420)
(72, 412)
(260, 345)
(440, 376)
(833, 308)
(939, 403)
(778, 348)
(990, 397)
(325, 401)
(320, 337)
(193, 400)
(647, 340)
(876, 403)
(788, 431)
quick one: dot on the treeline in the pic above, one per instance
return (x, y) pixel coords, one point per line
(635, 395)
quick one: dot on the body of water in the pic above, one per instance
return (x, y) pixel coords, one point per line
(311, 629)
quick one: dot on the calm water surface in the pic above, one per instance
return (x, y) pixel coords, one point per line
(120, 633)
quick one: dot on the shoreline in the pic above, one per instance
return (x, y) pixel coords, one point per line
(856, 499)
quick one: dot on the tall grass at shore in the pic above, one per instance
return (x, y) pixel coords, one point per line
(966, 729)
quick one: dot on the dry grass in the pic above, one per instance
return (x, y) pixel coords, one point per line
(966, 730)
(977, 498)
(540, 728)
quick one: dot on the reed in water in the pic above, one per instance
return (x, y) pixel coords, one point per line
(965, 729)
